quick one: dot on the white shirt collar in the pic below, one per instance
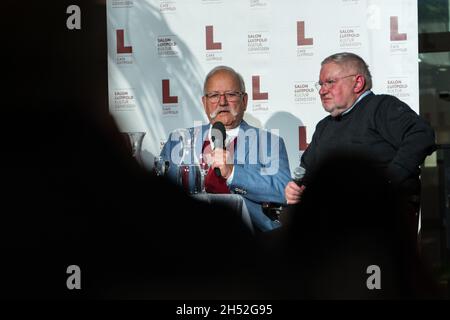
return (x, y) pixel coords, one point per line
(231, 134)
(357, 100)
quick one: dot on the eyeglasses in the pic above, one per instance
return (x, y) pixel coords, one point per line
(328, 84)
(231, 96)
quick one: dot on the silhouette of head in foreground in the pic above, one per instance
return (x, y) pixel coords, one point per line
(348, 224)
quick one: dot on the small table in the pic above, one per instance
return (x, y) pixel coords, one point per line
(234, 202)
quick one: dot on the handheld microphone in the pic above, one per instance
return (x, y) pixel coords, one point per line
(299, 173)
(218, 136)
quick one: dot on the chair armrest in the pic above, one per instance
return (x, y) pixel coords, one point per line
(272, 210)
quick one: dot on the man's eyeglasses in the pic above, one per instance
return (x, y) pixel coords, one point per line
(328, 84)
(231, 96)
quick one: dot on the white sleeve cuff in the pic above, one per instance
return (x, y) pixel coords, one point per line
(230, 178)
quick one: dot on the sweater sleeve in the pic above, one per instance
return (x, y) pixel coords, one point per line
(410, 134)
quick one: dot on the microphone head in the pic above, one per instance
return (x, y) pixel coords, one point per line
(218, 135)
(299, 173)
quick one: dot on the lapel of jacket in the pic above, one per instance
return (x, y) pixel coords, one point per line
(202, 136)
(242, 139)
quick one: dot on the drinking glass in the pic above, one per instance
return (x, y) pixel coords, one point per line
(204, 168)
(189, 178)
(134, 140)
(159, 166)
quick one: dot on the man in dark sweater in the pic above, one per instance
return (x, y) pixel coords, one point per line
(380, 127)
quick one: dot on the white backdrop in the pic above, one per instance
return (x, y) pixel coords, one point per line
(159, 52)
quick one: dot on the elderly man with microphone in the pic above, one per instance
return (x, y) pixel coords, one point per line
(243, 159)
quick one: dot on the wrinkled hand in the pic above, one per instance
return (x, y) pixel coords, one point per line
(293, 192)
(222, 159)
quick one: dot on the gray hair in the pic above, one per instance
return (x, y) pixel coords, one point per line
(354, 61)
(227, 69)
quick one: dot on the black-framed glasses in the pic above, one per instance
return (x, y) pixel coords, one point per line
(231, 96)
(328, 84)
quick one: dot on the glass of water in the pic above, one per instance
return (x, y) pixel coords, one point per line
(159, 166)
(190, 178)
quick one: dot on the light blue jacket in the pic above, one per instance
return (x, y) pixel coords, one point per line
(259, 176)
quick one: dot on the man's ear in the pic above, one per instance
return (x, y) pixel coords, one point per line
(204, 102)
(360, 83)
(245, 101)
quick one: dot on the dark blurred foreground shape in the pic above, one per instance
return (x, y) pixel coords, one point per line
(350, 218)
(74, 195)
